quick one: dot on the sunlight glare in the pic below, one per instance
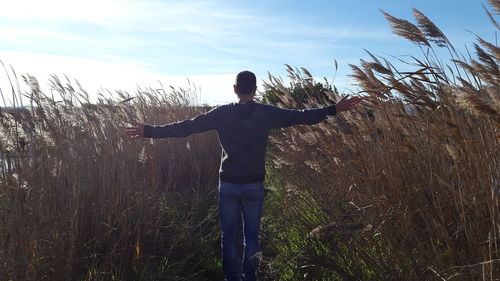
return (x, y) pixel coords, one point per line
(89, 11)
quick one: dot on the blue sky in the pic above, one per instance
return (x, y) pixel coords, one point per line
(126, 43)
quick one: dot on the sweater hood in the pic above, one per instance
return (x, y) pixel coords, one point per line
(244, 119)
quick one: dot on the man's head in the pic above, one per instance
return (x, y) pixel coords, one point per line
(246, 84)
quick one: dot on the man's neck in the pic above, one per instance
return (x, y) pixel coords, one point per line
(245, 100)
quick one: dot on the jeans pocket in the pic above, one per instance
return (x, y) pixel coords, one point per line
(227, 190)
(254, 194)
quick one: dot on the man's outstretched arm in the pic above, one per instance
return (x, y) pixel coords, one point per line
(201, 123)
(287, 117)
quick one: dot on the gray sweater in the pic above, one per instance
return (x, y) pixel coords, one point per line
(243, 131)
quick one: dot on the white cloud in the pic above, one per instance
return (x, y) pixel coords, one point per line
(202, 18)
(95, 75)
(98, 11)
(169, 35)
(32, 35)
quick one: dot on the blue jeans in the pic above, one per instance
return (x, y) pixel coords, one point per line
(240, 204)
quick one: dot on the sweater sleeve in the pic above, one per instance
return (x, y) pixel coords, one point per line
(201, 123)
(282, 118)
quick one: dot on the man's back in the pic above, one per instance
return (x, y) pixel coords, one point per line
(243, 130)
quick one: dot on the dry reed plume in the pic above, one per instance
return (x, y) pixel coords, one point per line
(405, 188)
(79, 201)
(415, 171)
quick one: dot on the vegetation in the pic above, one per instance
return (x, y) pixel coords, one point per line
(405, 188)
(79, 201)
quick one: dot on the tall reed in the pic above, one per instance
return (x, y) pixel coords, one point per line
(80, 201)
(404, 188)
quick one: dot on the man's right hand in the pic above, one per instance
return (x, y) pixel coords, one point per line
(345, 104)
(136, 131)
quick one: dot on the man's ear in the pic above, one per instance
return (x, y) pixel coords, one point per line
(235, 90)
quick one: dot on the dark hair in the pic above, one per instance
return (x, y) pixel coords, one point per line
(246, 82)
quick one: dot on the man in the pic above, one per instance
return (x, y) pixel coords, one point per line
(243, 130)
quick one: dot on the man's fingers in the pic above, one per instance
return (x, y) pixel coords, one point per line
(344, 97)
(136, 124)
(135, 131)
(133, 136)
(346, 103)
(350, 100)
(132, 132)
(355, 100)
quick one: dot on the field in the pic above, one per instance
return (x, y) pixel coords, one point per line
(406, 187)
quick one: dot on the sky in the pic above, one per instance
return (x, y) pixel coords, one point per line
(126, 44)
